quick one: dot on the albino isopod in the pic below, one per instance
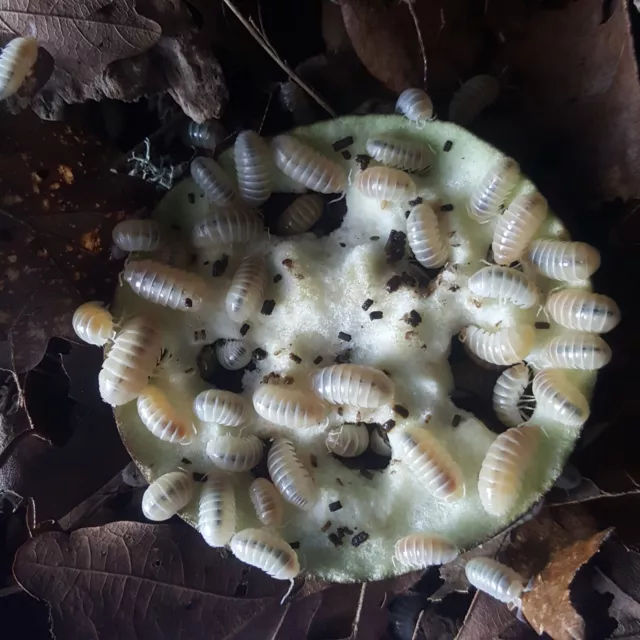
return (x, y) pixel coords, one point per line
(380, 442)
(137, 235)
(495, 579)
(353, 384)
(267, 502)
(168, 494)
(217, 511)
(213, 180)
(502, 347)
(583, 311)
(348, 440)
(505, 284)
(246, 291)
(132, 359)
(504, 466)
(584, 351)
(289, 407)
(253, 168)
(307, 167)
(159, 416)
(167, 286)
(93, 323)
(429, 461)
(300, 215)
(415, 105)
(289, 475)
(233, 354)
(421, 550)
(559, 399)
(425, 239)
(507, 394)
(407, 155)
(227, 227)
(16, 63)
(490, 196)
(266, 551)
(222, 407)
(517, 226)
(385, 184)
(235, 453)
(567, 261)
(472, 97)
(206, 135)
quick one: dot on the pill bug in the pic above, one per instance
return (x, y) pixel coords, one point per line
(429, 461)
(235, 225)
(138, 235)
(233, 354)
(217, 511)
(560, 400)
(253, 168)
(583, 311)
(503, 347)
(407, 155)
(503, 468)
(168, 494)
(93, 324)
(385, 184)
(16, 63)
(288, 407)
(490, 196)
(267, 502)
(222, 407)
(289, 475)
(517, 226)
(205, 135)
(159, 416)
(300, 215)
(415, 105)
(584, 351)
(475, 95)
(235, 453)
(506, 285)
(421, 550)
(348, 440)
(213, 181)
(306, 166)
(132, 359)
(246, 291)
(495, 579)
(424, 237)
(567, 261)
(507, 394)
(380, 442)
(167, 286)
(266, 551)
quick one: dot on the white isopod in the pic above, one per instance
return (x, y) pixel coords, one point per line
(380, 442)
(415, 105)
(206, 135)
(246, 291)
(584, 351)
(288, 407)
(214, 182)
(235, 225)
(503, 347)
(93, 323)
(300, 215)
(560, 400)
(266, 551)
(421, 550)
(495, 579)
(233, 354)
(348, 440)
(289, 475)
(385, 184)
(503, 468)
(138, 235)
(253, 167)
(307, 166)
(16, 63)
(424, 237)
(159, 416)
(267, 502)
(167, 495)
(353, 384)
(583, 311)
(217, 511)
(472, 97)
(407, 155)
(235, 453)
(567, 261)
(506, 285)
(490, 196)
(222, 407)
(507, 394)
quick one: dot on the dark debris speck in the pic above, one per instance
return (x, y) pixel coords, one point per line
(295, 358)
(367, 304)
(413, 318)
(335, 506)
(456, 420)
(415, 201)
(375, 315)
(326, 526)
(388, 425)
(446, 207)
(185, 461)
(317, 360)
(393, 283)
(366, 474)
(363, 161)
(344, 336)
(267, 307)
(453, 288)
(199, 477)
(447, 146)
(277, 277)
(259, 354)
(188, 302)
(400, 410)
(313, 459)
(244, 329)
(374, 238)
(191, 198)
(359, 538)
(335, 540)
(342, 244)
(220, 266)
(343, 143)
(542, 325)
(288, 263)
(343, 356)
(346, 155)
(294, 545)
(395, 246)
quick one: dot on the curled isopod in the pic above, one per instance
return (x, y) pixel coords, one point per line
(504, 466)
(415, 105)
(205, 135)
(213, 180)
(217, 511)
(300, 215)
(348, 440)
(475, 95)
(502, 347)
(490, 196)
(495, 579)
(407, 155)
(560, 400)
(93, 324)
(266, 551)
(132, 359)
(421, 550)
(385, 184)
(505, 284)
(425, 239)
(308, 167)
(517, 226)
(253, 168)
(159, 416)
(222, 407)
(289, 407)
(583, 311)
(167, 286)
(353, 384)
(380, 442)
(246, 291)
(16, 63)
(138, 235)
(235, 453)
(584, 351)
(289, 475)
(267, 502)
(167, 495)
(507, 394)
(567, 261)
(233, 354)
(429, 461)
(227, 227)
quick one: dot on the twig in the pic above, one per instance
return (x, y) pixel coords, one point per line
(423, 52)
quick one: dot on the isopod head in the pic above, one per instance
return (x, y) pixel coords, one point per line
(16, 62)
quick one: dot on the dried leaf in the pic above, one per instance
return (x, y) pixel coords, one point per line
(623, 608)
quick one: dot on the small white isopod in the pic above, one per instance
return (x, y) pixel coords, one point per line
(421, 550)
(233, 354)
(490, 196)
(214, 182)
(506, 285)
(160, 417)
(348, 440)
(495, 579)
(217, 510)
(168, 494)
(585, 351)
(289, 475)
(253, 168)
(507, 394)
(266, 551)
(138, 235)
(583, 311)
(385, 184)
(267, 502)
(288, 407)
(407, 155)
(222, 407)
(235, 225)
(566, 261)
(246, 291)
(205, 135)
(559, 399)
(300, 215)
(235, 453)
(424, 237)
(93, 323)
(503, 347)
(415, 105)
(16, 63)
(472, 97)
